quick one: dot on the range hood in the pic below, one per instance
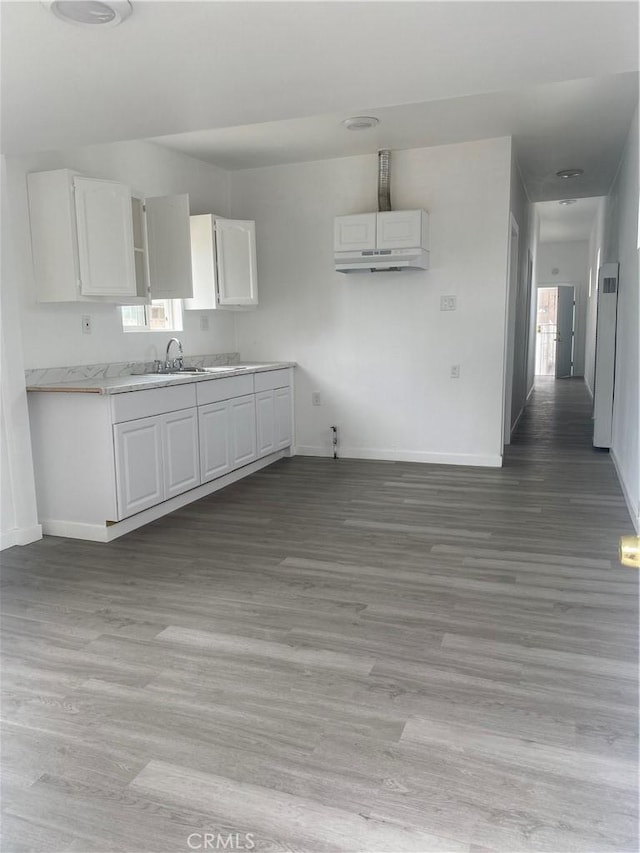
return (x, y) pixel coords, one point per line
(386, 241)
(382, 260)
(389, 241)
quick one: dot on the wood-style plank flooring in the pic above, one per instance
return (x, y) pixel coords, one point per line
(334, 656)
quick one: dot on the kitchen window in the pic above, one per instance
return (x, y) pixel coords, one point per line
(161, 315)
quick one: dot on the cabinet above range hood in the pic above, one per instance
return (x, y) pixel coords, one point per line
(390, 241)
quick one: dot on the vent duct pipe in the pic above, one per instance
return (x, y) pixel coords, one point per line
(384, 179)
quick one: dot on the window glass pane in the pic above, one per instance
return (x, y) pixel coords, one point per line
(133, 316)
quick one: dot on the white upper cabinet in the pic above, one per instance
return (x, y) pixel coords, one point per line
(392, 229)
(169, 247)
(402, 229)
(355, 233)
(236, 260)
(92, 241)
(223, 260)
(105, 238)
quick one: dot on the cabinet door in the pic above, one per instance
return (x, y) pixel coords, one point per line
(169, 247)
(181, 456)
(399, 229)
(203, 263)
(243, 430)
(105, 238)
(354, 233)
(236, 262)
(139, 469)
(265, 423)
(283, 418)
(215, 455)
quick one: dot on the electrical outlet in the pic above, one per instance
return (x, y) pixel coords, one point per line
(454, 373)
(86, 324)
(315, 398)
(448, 303)
(204, 323)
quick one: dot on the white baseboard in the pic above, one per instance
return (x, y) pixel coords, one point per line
(517, 420)
(530, 392)
(20, 536)
(472, 459)
(588, 387)
(103, 532)
(634, 509)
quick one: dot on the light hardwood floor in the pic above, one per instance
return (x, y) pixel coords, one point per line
(337, 656)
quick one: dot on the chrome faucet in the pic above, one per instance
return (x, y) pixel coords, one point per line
(178, 361)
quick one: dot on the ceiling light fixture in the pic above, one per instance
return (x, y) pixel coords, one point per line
(89, 13)
(361, 122)
(570, 173)
(566, 201)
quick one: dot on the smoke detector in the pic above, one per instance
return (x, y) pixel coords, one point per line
(361, 122)
(566, 201)
(570, 173)
(91, 13)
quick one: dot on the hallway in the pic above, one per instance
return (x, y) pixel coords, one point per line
(344, 655)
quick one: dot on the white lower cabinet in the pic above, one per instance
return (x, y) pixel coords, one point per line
(139, 465)
(156, 459)
(181, 459)
(265, 423)
(104, 459)
(215, 456)
(274, 413)
(283, 418)
(242, 412)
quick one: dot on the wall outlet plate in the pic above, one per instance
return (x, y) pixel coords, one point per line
(454, 373)
(448, 303)
(315, 398)
(86, 324)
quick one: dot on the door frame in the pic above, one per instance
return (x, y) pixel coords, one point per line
(510, 327)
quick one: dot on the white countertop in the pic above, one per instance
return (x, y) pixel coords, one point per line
(122, 384)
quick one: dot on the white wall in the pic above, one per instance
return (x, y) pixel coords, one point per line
(596, 245)
(571, 259)
(376, 346)
(520, 299)
(621, 244)
(18, 512)
(52, 334)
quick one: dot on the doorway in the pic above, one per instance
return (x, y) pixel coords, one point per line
(555, 336)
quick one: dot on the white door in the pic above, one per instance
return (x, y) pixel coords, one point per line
(169, 247)
(243, 430)
(564, 331)
(104, 226)
(265, 423)
(399, 229)
(284, 425)
(139, 469)
(236, 262)
(181, 456)
(214, 440)
(354, 233)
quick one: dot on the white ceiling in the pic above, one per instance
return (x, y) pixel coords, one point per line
(560, 223)
(265, 82)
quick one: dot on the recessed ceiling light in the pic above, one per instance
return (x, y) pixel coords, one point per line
(565, 201)
(89, 13)
(570, 173)
(361, 122)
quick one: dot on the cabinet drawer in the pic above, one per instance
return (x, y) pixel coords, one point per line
(270, 379)
(223, 389)
(155, 401)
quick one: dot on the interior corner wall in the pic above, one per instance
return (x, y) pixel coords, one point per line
(18, 512)
(596, 245)
(570, 260)
(52, 332)
(519, 311)
(622, 242)
(377, 347)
